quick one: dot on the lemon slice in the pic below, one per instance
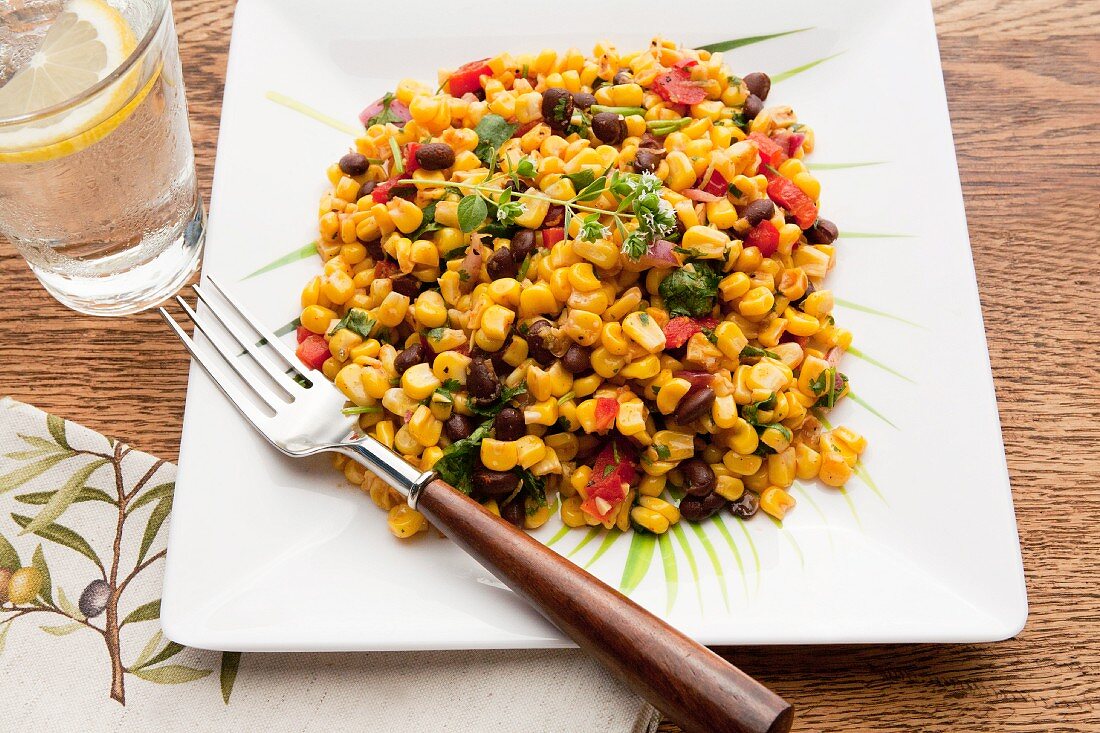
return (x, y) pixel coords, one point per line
(88, 41)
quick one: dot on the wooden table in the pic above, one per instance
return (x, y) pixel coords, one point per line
(1024, 95)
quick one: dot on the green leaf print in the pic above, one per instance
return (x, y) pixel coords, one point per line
(64, 497)
(171, 674)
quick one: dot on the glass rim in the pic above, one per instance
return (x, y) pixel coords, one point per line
(119, 71)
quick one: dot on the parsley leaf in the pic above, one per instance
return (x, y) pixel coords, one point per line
(750, 413)
(471, 212)
(690, 291)
(386, 115)
(492, 132)
(448, 389)
(581, 179)
(819, 385)
(357, 321)
(456, 465)
(526, 169)
(429, 224)
(535, 485)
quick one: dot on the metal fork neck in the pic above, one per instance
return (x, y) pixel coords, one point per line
(387, 465)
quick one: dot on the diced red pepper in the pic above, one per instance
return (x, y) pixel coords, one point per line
(765, 237)
(614, 467)
(794, 142)
(313, 351)
(552, 236)
(676, 86)
(411, 163)
(607, 409)
(382, 192)
(302, 333)
(771, 152)
(717, 185)
(680, 329)
(685, 64)
(467, 78)
(792, 198)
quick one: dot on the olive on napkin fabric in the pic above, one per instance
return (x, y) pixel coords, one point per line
(83, 520)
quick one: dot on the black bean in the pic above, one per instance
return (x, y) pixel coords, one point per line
(410, 357)
(365, 189)
(523, 244)
(754, 105)
(650, 142)
(406, 285)
(354, 164)
(435, 156)
(583, 100)
(646, 161)
(822, 232)
(509, 424)
(576, 359)
(374, 249)
(698, 508)
(515, 512)
(458, 427)
(502, 264)
(759, 84)
(489, 483)
(695, 405)
(699, 478)
(745, 506)
(609, 128)
(758, 211)
(557, 108)
(555, 216)
(482, 382)
(537, 348)
(622, 76)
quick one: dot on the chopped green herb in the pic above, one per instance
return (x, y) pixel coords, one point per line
(524, 266)
(690, 290)
(449, 388)
(566, 397)
(609, 469)
(526, 169)
(581, 179)
(663, 451)
(506, 395)
(535, 485)
(357, 321)
(386, 115)
(711, 336)
(429, 224)
(643, 318)
(456, 465)
(492, 132)
(436, 334)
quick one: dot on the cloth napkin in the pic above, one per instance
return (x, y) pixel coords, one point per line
(83, 520)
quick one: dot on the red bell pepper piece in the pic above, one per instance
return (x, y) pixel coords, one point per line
(614, 467)
(552, 236)
(467, 78)
(792, 198)
(717, 185)
(302, 333)
(679, 330)
(313, 351)
(411, 163)
(765, 237)
(676, 85)
(382, 192)
(607, 409)
(771, 152)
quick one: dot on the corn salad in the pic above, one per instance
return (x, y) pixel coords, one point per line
(586, 285)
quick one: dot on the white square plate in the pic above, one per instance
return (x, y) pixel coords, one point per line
(273, 554)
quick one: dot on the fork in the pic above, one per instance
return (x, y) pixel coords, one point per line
(687, 682)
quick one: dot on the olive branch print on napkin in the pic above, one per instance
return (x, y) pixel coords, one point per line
(81, 536)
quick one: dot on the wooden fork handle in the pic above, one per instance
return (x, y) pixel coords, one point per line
(690, 684)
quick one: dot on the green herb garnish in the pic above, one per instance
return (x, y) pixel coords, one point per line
(690, 290)
(357, 321)
(386, 115)
(369, 409)
(492, 132)
(472, 210)
(754, 351)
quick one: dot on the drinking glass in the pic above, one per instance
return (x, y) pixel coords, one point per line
(97, 174)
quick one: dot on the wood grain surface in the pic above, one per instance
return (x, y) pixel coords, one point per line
(1024, 93)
